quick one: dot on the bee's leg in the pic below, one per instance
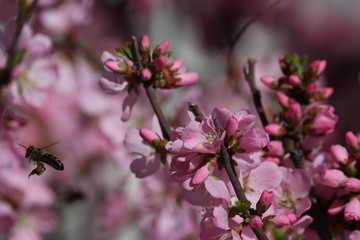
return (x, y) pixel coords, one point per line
(39, 169)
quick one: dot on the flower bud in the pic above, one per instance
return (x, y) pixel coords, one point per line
(177, 65)
(148, 135)
(282, 99)
(186, 79)
(352, 185)
(335, 207)
(145, 42)
(311, 89)
(113, 66)
(324, 122)
(281, 221)
(352, 210)
(271, 82)
(339, 153)
(145, 74)
(294, 80)
(292, 217)
(351, 140)
(333, 178)
(231, 126)
(161, 49)
(265, 201)
(201, 174)
(256, 222)
(160, 63)
(324, 93)
(276, 148)
(275, 130)
(317, 67)
(294, 112)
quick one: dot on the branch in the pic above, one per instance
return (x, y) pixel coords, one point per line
(150, 92)
(22, 16)
(240, 33)
(250, 78)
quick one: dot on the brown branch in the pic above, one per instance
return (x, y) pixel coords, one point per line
(22, 16)
(230, 57)
(250, 78)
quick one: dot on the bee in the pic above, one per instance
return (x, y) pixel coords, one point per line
(39, 157)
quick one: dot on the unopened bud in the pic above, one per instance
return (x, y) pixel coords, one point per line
(352, 140)
(113, 66)
(256, 222)
(282, 99)
(317, 67)
(339, 153)
(271, 82)
(352, 210)
(294, 112)
(145, 42)
(161, 49)
(187, 79)
(275, 130)
(294, 80)
(265, 201)
(352, 185)
(177, 65)
(311, 89)
(276, 148)
(160, 63)
(232, 125)
(333, 178)
(145, 74)
(148, 135)
(201, 174)
(336, 207)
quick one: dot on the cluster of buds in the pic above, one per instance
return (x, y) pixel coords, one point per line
(138, 64)
(345, 177)
(303, 115)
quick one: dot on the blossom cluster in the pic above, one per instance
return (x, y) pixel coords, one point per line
(192, 162)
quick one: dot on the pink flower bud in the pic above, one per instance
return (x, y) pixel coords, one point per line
(352, 185)
(145, 74)
(324, 122)
(352, 210)
(292, 217)
(311, 89)
(333, 178)
(282, 99)
(318, 67)
(275, 130)
(231, 126)
(335, 207)
(294, 80)
(113, 65)
(160, 63)
(177, 65)
(187, 79)
(145, 42)
(271, 82)
(276, 148)
(324, 93)
(352, 140)
(294, 112)
(148, 135)
(201, 174)
(256, 222)
(339, 153)
(161, 49)
(265, 201)
(281, 221)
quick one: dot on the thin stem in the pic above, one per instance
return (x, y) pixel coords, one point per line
(22, 17)
(150, 92)
(164, 124)
(230, 57)
(249, 72)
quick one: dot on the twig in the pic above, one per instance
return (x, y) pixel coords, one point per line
(150, 92)
(250, 78)
(22, 17)
(240, 33)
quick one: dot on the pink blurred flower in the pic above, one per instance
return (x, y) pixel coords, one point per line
(352, 210)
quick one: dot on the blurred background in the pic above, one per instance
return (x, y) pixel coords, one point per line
(54, 97)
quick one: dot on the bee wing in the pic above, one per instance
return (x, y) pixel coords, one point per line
(52, 161)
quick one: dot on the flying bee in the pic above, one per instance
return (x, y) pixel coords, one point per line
(39, 157)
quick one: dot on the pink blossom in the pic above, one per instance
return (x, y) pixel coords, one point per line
(354, 235)
(161, 49)
(254, 140)
(145, 74)
(265, 201)
(318, 67)
(186, 79)
(160, 63)
(148, 135)
(352, 210)
(336, 207)
(256, 222)
(271, 82)
(352, 140)
(352, 185)
(294, 112)
(282, 99)
(339, 153)
(202, 173)
(144, 42)
(276, 148)
(275, 129)
(294, 80)
(333, 178)
(324, 121)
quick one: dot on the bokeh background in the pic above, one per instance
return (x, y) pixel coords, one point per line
(97, 197)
